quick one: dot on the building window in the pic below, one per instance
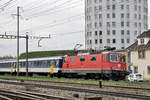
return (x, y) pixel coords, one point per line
(113, 24)
(100, 0)
(113, 15)
(100, 16)
(141, 54)
(135, 69)
(114, 32)
(135, 16)
(95, 41)
(142, 41)
(122, 32)
(135, 32)
(108, 32)
(122, 47)
(128, 15)
(135, 7)
(128, 40)
(108, 40)
(135, 24)
(100, 41)
(108, 15)
(108, 24)
(128, 32)
(95, 33)
(100, 24)
(122, 7)
(148, 69)
(128, 24)
(90, 41)
(108, 7)
(95, 24)
(100, 8)
(122, 15)
(122, 24)
(122, 40)
(114, 41)
(140, 25)
(128, 7)
(95, 1)
(100, 32)
(113, 7)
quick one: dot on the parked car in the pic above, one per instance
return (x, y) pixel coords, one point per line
(135, 77)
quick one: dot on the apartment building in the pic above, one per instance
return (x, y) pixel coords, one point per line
(114, 23)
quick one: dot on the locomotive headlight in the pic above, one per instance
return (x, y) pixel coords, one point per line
(119, 65)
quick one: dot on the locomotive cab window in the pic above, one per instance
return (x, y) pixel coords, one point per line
(82, 58)
(93, 58)
(113, 58)
(72, 59)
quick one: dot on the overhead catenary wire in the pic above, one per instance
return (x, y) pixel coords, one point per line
(60, 22)
(64, 6)
(2, 7)
(53, 12)
(46, 11)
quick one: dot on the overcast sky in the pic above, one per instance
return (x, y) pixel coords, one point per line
(62, 19)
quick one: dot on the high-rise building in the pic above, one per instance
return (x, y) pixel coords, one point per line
(114, 23)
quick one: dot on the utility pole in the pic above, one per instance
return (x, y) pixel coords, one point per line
(18, 40)
(27, 55)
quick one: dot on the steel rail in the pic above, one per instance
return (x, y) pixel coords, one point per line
(85, 84)
(4, 98)
(85, 90)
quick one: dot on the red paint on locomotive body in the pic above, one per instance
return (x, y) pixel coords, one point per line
(108, 61)
(103, 66)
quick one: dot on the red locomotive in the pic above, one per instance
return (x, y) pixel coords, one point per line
(96, 66)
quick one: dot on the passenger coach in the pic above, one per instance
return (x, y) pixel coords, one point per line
(41, 66)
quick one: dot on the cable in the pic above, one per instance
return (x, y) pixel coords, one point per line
(51, 9)
(49, 25)
(6, 4)
(70, 33)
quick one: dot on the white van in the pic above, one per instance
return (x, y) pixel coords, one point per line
(135, 77)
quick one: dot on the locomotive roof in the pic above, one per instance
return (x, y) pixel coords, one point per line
(84, 54)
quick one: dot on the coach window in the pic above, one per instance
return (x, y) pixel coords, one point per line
(82, 58)
(93, 58)
(72, 59)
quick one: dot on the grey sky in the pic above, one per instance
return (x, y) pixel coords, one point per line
(63, 19)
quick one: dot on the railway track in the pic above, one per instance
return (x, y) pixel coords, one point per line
(79, 84)
(86, 88)
(26, 95)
